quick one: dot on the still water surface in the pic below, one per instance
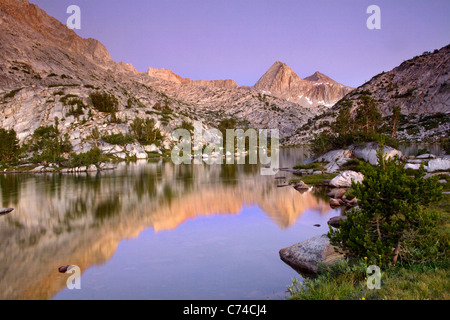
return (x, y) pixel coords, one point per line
(152, 230)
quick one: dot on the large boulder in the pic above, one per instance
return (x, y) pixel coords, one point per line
(306, 256)
(336, 193)
(335, 159)
(413, 166)
(335, 155)
(438, 164)
(344, 179)
(136, 150)
(301, 186)
(368, 152)
(335, 222)
(426, 156)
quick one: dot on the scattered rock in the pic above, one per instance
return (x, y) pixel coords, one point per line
(336, 193)
(352, 203)
(439, 164)
(335, 159)
(335, 222)
(92, 168)
(301, 186)
(334, 203)
(37, 169)
(317, 225)
(426, 156)
(429, 175)
(414, 166)
(306, 256)
(344, 180)
(63, 269)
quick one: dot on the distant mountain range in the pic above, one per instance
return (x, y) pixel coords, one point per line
(43, 64)
(41, 58)
(279, 81)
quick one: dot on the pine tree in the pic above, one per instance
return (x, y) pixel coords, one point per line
(391, 221)
(9, 145)
(368, 117)
(396, 113)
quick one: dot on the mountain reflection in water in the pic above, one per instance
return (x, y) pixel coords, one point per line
(68, 219)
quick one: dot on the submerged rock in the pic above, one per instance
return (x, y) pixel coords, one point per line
(335, 222)
(334, 203)
(336, 193)
(301, 186)
(306, 256)
(5, 210)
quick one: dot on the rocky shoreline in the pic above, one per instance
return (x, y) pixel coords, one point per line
(306, 256)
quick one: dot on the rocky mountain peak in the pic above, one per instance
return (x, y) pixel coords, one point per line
(320, 77)
(316, 90)
(31, 20)
(280, 77)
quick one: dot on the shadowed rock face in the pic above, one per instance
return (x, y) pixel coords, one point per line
(419, 85)
(80, 220)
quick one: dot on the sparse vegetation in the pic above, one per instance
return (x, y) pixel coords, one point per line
(9, 146)
(47, 144)
(11, 94)
(92, 157)
(348, 130)
(104, 102)
(145, 131)
(119, 139)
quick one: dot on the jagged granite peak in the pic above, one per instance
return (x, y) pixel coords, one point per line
(166, 74)
(279, 79)
(316, 90)
(169, 75)
(319, 77)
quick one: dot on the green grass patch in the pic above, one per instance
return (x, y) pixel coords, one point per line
(316, 166)
(119, 139)
(12, 93)
(315, 179)
(345, 281)
(63, 85)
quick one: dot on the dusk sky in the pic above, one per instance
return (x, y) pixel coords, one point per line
(241, 39)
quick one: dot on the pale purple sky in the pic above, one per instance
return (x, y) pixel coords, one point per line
(241, 39)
